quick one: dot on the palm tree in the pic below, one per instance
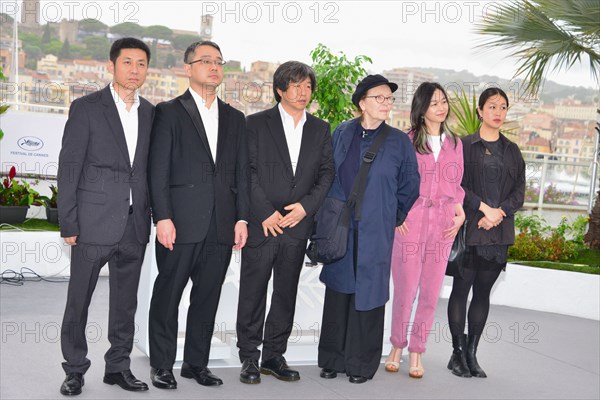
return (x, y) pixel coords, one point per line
(548, 35)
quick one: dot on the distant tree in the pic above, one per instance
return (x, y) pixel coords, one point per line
(154, 52)
(92, 25)
(232, 69)
(336, 80)
(76, 51)
(158, 32)
(97, 47)
(47, 36)
(170, 61)
(6, 19)
(65, 51)
(54, 47)
(128, 29)
(33, 53)
(181, 42)
(30, 39)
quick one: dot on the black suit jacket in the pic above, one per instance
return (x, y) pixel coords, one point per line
(186, 184)
(95, 175)
(273, 185)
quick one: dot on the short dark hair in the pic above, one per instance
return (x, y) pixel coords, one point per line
(127, 43)
(491, 92)
(292, 71)
(191, 49)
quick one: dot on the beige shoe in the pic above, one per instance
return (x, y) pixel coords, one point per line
(416, 371)
(392, 362)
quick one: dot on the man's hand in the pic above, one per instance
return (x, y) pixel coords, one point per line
(71, 240)
(165, 233)
(271, 225)
(295, 215)
(240, 232)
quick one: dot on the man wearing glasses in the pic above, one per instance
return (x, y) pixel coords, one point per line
(199, 197)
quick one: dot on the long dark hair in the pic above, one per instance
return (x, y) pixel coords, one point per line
(420, 104)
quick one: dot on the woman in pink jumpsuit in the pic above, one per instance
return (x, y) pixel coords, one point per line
(422, 243)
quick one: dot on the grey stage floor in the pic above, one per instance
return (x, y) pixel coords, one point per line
(527, 355)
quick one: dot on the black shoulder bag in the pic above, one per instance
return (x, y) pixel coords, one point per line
(329, 240)
(458, 253)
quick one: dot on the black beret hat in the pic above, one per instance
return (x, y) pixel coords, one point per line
(369, 82)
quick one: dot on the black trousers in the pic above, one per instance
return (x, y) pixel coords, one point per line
(206, 264)
(284, 256)
(351, 341)
(124, 262)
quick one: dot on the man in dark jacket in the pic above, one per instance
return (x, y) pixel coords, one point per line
(199, 194)
(291, 170)
(104, 212)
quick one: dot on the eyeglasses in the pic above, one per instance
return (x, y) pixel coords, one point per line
(207, 62)
(381, 99)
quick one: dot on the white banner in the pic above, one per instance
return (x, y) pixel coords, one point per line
(31, 142)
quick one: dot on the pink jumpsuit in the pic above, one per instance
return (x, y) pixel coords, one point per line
(419, 259)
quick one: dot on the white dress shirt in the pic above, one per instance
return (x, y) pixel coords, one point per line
(293, 134)
(210, 120)
(129, 122)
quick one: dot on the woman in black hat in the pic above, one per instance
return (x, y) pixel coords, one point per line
(358, 284)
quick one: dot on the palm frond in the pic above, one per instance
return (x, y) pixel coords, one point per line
(545, 35)
(464, 111)
(581, 17)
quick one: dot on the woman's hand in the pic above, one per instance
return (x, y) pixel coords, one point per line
(457, 222)
(403, 229)
(494, 215)
(485, 223)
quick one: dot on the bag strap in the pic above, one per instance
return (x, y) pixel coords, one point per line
(357, 193)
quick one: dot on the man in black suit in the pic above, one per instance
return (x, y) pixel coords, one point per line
(104, 211)
(199, 195)
(291, 170)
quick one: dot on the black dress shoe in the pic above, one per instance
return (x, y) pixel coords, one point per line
(357, 379)
(163, 378)
(328, 373)
(202, 375)
(278, 367)
(250, 373)
(126, 380)
(72, 384)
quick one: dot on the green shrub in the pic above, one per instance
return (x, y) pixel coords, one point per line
(538, 241)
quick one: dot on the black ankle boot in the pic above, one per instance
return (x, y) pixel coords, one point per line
(474, 367)
(458, 360)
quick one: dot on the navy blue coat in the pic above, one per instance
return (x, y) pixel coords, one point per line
(392, 188)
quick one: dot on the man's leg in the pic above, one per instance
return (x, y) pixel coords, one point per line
(286, 273)
(257, 263)
(86, 262)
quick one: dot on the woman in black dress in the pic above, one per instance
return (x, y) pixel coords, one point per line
(494, 184)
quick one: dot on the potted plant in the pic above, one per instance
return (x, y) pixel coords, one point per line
(15, 199)
(51, 206)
